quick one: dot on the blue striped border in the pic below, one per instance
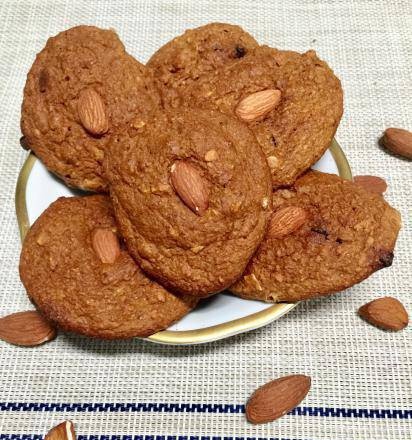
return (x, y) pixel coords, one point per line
(137, 437)
(199, 408)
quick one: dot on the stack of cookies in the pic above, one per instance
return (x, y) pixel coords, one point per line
(202, 163)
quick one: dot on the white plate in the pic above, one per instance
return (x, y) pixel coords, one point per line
(215, 318)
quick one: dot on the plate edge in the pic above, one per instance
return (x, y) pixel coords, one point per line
(187, 337)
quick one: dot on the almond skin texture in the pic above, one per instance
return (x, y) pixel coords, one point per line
(257, 105)
(398, 141)
(387, 313)
(26, 328)
(92, 112)
(285, 221)
(371, 183)
(276, 398)
(63, 431)
(106, 245)
(190, 186)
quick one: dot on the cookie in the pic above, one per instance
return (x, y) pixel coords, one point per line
(82, 88)
(326, 234)
(191, 195)
(77, 273)
(199, 51)
(292, 102)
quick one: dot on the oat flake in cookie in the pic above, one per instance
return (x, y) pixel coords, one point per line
(79, 276)
(191, 195)
(326, 234)
(292, 102)
(82, 88)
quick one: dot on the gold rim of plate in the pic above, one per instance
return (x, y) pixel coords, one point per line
(207, 334)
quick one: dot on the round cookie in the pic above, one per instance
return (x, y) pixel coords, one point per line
(297, 130)
(62, 268)
(82, 88)
(199, 51)
(346, 235)
(191, 195)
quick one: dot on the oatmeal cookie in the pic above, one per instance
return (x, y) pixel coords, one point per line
(191, 195)
(82, 88)
(188, 57)
(345, 235)
(79, 275)
(292, 103)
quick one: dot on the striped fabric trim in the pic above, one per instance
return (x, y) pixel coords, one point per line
(200, 408)
(137, 437)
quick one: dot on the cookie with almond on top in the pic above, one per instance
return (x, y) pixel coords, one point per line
(78, 273)
(325, 235)
(83, 89)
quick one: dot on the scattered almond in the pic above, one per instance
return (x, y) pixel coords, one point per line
(63, 431)
(398, 141)
(286, 220)
(258, 105)
(106, 245)
(371, 183)
(211, 155)
(387, 313)
(92, 112)
(190, 186)
(26, 328)
(276, 398)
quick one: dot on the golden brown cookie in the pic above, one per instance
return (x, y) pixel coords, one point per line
(77, 273)
(199, 51)
(326, 234)
(82, 88)
(191, 195)
(292, 102)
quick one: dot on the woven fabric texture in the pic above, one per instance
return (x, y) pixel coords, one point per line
(361, 376)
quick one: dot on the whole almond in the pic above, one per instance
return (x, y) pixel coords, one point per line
(92, 112)
(285, 221)
(257, 105)
(371, 183)
(106, 245)
(276, 398)
(63, 431)
(26, 328)
(398, 141)
(387, 313)
(190, 186)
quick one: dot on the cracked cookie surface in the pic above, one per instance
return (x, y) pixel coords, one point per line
(348, 234)
(195, 252)
(69, 283)
(79, 59)
(198, 51)
(298, 130)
